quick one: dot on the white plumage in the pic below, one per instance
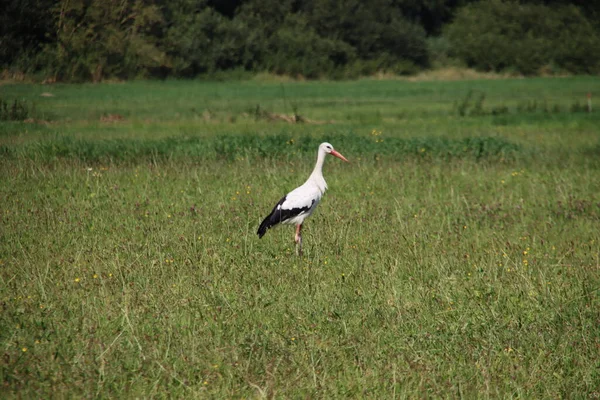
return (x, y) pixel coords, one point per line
(301, 202)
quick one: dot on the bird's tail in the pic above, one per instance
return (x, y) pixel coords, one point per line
(262, 229)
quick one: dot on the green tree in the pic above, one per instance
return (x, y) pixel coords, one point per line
(106, 38)
(288, 44)
(498, 35)
(296, 49)
(25, 27)
(200, 40)
(430, 14)
(376, 30)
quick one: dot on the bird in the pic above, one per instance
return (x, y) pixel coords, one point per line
(300, 203)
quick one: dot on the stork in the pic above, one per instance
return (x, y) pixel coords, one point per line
(300, 203)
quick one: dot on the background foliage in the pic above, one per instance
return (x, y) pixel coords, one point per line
(497, 35)
(91, 40)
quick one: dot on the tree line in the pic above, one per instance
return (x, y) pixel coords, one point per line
(92, 40)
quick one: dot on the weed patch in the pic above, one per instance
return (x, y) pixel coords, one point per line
(473, 105)
(15, 110)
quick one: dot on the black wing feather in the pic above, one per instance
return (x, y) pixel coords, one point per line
(279, 215)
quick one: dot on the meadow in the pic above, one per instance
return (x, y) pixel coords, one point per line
(456, 256)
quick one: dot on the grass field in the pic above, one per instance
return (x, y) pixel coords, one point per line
(456, 256)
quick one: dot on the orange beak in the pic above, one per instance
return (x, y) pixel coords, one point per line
(338, 155)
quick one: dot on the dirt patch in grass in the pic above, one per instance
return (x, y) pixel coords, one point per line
(112, 118)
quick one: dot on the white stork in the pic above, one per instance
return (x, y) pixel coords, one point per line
(300, 203)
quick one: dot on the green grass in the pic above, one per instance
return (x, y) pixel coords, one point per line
(232, 147)
(131, 267)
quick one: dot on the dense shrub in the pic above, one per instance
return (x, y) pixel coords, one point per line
(14, 110)
(199, 40)
(507, 35)
(297, 49)
(377, 30)
(97, 39)
(24, 29)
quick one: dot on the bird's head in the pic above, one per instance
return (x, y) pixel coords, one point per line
(328, 149)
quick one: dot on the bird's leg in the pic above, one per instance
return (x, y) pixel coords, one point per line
(298, 240)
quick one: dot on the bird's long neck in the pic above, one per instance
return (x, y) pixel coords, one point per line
(317, 173)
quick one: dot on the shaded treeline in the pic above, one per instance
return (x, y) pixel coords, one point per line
(80, 40)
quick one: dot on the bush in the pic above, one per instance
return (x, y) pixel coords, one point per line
(376, 30)
(192, 46)
(296, 49)
(99, 39)
(439, 49)
(13, 110)
(504, 35)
